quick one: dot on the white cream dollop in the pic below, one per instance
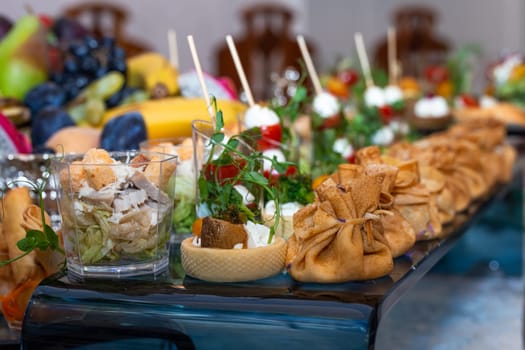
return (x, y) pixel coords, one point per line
(392, 94)
(399, 127)
(196, 242)
(257, 235)
(257, 116)
(486, 101)
(503, 70)
(247, 196)
(431, 107)
(287, 209)
(343, 147)
(383, 136)
(326, 105)
(271, 153)
(374, 97)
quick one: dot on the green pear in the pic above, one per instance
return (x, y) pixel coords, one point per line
(17, 77)
(23, 58)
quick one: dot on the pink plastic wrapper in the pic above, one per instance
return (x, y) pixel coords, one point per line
(11, 140)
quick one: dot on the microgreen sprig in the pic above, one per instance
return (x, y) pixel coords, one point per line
(220, 194)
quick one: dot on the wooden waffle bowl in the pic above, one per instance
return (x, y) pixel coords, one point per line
(233, 265)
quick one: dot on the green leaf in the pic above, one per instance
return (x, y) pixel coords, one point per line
(233, 143)
(300, 94)
(41, 240)
(279, 166)
(219, 120)
(203, 188)
(217, 137)
(27, 244)
(52, 237)
(255, 177)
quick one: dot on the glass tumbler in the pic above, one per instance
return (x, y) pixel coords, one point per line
(116, 212)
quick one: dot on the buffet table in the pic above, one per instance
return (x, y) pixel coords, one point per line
(276, 312)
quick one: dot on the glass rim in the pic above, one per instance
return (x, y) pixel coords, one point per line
(29, 157)
(69, 159)
(194, 127)
(154, 142)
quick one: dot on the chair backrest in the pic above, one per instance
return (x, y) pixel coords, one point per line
(265, 47)
(417, 42)
(105, 19)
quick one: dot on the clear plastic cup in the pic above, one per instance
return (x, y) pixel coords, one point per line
(116, 213)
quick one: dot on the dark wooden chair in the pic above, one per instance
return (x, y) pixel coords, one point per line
(418, 45)
(106, 19)
(266, 46)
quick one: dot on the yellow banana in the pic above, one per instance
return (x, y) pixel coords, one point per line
(172, 117)
(150, 69)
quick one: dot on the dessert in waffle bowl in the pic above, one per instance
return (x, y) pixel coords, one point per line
(231, 243)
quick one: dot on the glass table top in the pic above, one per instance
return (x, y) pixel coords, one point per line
(178, 309)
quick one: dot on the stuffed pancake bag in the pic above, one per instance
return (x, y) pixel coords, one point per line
(398, 232)
(451, 194)
(411, 198)
(340, 238)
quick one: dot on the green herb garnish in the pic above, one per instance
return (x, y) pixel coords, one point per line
(219, 176)
(297, 188)
(37, 239)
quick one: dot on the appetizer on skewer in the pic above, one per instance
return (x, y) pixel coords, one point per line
(383, 107)
(270, 133)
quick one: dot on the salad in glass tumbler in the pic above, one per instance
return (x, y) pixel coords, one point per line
(116, 210)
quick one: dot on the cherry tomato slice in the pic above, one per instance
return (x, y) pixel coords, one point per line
(436, 74)
(386, 112)
(292, 170)
(223, 172)
(351, 159)
(331, 122)
(469, 101)
(271, 135)
(348, 77)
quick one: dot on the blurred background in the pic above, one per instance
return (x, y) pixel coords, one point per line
(497, 26)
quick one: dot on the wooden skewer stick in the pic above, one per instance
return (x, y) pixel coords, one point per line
(392, 55)
(363, 59)
(198, 68)
(240, 70)
(173, 51)
(309, 64)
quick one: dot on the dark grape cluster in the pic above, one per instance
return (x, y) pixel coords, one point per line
(86, 60)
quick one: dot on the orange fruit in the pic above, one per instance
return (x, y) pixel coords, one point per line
(445, 89)
(409, 86)
(337, 87)
(517, 73)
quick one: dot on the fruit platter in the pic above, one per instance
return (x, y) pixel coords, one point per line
(138, 202)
